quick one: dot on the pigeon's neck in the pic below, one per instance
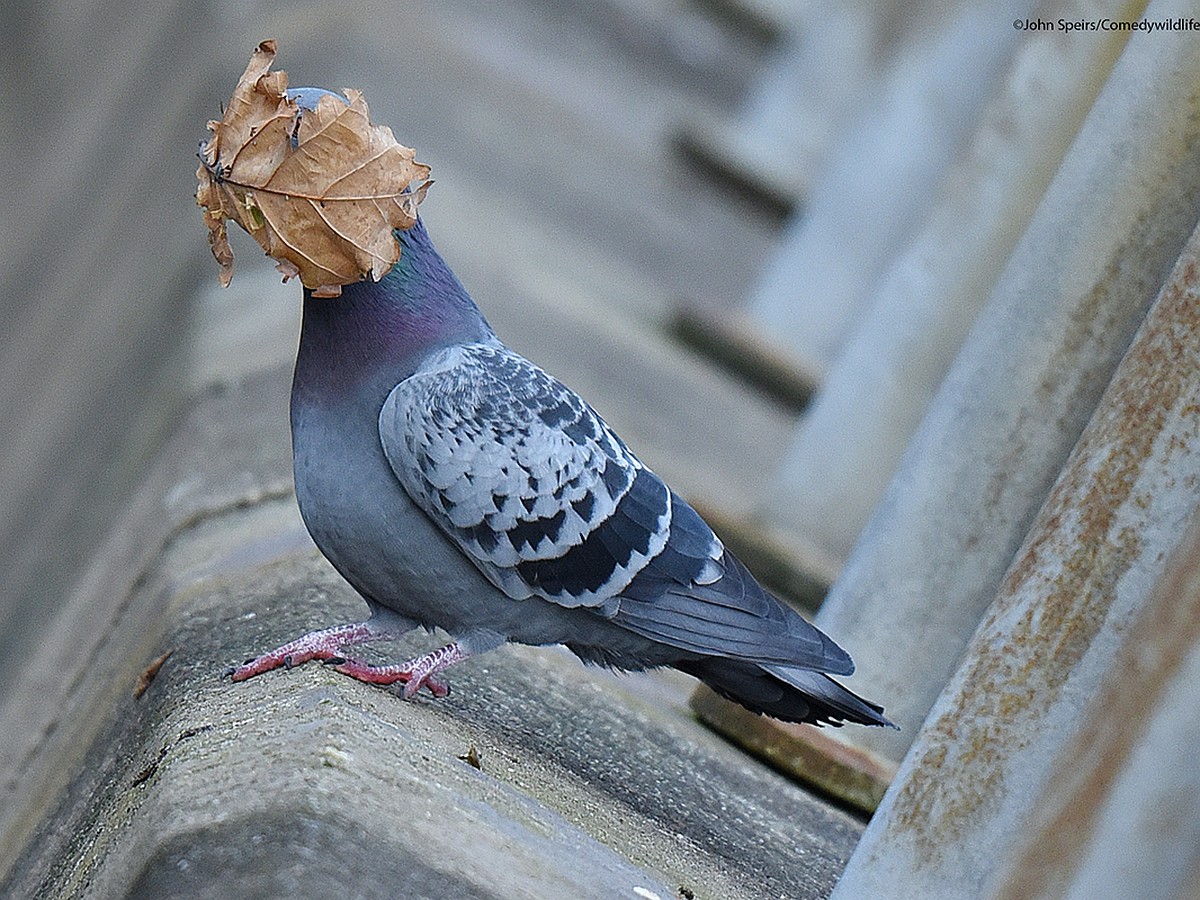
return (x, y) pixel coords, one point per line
(376, 334)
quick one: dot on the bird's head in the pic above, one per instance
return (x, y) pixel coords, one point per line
(308, 97)
(306, 173)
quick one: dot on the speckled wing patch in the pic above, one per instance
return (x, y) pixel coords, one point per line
(537, 490)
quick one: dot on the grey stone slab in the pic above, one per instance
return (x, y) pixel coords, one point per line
(288, 788)
(559, 128)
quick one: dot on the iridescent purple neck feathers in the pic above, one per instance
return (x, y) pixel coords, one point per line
(376, 334)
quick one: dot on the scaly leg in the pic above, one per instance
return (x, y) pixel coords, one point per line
(323, 644)
(416, 673)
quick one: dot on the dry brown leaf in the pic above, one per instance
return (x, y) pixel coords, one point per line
(320, 190)
(149, 674)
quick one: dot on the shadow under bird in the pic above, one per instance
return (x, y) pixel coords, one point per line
(457, 485)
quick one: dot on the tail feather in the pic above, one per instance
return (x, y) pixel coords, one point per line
(783, 692)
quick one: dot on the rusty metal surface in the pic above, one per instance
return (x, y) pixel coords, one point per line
(1091, 560)
(1068, 824)
(812, 756)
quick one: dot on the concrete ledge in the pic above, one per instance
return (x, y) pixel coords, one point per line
(295, 784)
(229, 451)
(706, 143)
(305, 782)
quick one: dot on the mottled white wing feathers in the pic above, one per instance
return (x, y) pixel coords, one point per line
(524, 476)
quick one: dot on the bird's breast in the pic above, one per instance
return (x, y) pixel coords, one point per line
(368, 527)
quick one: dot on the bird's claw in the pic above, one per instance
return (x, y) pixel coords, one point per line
(324, 644)
(405, 674)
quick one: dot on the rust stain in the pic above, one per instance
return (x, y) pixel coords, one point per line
(1062, 582)
(1158, 643)
(1098, 330)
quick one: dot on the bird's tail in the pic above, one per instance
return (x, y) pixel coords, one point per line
(783, 692)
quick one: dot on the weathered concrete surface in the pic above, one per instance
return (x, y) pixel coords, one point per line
(1118, 816)
(78, 667)
(882, 173)
(305, 781)
(1094, 558)
(813, 81)
(879, 385)
(314, 779)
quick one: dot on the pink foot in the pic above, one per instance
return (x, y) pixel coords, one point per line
(323, 644)
(415, 674)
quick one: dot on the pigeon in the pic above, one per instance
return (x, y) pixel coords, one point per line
(458, 486)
